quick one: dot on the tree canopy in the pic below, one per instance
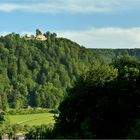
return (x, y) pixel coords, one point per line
(98, 88)
(37, 73)
(104, 103)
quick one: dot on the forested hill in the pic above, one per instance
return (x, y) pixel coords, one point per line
(37, 72)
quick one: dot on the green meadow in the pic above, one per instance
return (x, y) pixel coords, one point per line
(32, 119)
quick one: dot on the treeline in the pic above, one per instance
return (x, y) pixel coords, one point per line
(102, 104)
(37, 73)
(98, 88)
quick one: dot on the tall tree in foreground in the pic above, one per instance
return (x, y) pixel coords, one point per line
(104, 103)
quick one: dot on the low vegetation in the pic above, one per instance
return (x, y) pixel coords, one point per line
(31, 124)
(23, 111)
(32, 119)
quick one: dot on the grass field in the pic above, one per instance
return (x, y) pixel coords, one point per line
(32, 119)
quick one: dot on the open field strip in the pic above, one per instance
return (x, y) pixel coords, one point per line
(32, 119)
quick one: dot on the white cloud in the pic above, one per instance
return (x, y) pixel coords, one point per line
(69, 6)
(100, 37)
(50, 7)
(105, 37)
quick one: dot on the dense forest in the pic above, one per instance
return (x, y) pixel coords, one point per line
(37, 73)
(96, 90)
(103, 103)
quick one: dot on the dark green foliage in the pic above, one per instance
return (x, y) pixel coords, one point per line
(29, 111)
(2, 119)
(38, 32)
(37, 73)
(135, 131)
(40, 132)
(104, 103)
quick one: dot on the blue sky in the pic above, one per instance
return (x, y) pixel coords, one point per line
(91, 23)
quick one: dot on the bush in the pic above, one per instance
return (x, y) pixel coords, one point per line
(26, 111)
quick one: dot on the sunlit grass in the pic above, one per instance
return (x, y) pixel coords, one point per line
(32, 119)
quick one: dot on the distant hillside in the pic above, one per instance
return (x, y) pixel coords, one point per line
(37, 73)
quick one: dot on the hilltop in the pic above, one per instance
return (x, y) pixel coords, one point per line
(36, 72)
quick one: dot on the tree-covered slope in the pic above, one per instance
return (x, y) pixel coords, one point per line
(37, 73)
(103, 103)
